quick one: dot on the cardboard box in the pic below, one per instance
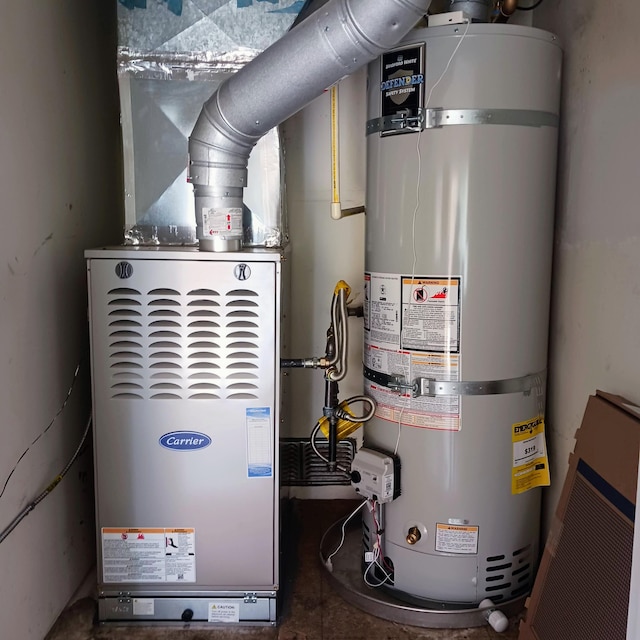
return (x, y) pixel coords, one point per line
(581, 591)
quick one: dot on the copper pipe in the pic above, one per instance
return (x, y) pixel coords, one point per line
(504, 9)
(509, 7)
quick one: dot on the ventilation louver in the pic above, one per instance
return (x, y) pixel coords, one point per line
(200, 344)
(508, 576)
(301, 467)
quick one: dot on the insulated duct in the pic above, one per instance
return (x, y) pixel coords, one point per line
(331, 44)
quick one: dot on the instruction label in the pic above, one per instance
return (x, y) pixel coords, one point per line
(412, 329)
(227, 221)
(259, 443)
(453, 538)
(224, 611)
(180, 555)
(148, 555)
(530, 461)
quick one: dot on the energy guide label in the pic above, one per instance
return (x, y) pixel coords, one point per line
(148, 555)
(530, 462)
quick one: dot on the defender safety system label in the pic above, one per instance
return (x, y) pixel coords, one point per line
(402, 81)
(148, 555)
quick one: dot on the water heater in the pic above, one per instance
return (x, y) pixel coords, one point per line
(461, 159)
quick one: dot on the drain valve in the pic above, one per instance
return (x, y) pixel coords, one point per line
(413, 535)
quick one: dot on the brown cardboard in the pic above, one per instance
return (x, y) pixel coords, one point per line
(608, 441)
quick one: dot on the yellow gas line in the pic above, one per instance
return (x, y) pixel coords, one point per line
(336, 207)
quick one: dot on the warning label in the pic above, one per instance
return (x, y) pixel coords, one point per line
(412, 330)
(180, 555)
(148, 555)
(431, 314)
(452, 538)
(222, 221)
(530, 462)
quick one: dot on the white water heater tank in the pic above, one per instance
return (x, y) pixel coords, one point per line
(461, 158)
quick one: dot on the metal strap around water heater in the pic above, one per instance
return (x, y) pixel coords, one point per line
(438, 117)
(431, 387)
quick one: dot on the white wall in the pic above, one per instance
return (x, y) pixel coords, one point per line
(59, 194)
(324, 251)
(595, 342)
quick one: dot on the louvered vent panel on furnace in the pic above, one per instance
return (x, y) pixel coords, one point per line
(127, 335)
(205, 335)
(198, 344)
(242, 312)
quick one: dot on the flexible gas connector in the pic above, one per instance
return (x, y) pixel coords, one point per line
(337, 369)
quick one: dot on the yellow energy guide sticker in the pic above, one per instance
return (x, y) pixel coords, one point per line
(530, 462)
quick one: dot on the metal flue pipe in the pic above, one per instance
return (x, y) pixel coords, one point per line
(332, 43)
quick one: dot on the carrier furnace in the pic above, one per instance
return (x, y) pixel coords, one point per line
(185, 359)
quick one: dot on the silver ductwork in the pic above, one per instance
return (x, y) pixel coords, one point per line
(331, 44)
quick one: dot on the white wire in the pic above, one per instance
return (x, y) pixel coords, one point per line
(387, 577)
(344, 524)
(413, 223)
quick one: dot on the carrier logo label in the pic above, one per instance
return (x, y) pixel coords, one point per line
(185, 440)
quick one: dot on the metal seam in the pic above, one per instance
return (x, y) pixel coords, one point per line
(431, 387)
(436, 118)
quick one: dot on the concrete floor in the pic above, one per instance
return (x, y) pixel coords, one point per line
(310, 611)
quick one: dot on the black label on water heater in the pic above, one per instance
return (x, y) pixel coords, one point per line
(402, 81)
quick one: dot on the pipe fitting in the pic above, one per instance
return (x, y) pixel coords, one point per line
(413, 535)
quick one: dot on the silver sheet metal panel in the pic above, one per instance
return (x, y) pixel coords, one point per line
(212, 29)
(458, 267)
(171, 57)
(185, 361)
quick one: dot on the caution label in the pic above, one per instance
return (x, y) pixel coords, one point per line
(224, 611)
(453, 538)
(530, 462)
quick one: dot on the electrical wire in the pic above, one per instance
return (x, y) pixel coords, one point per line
(535, 5)
(378, 552)
(55, 417)
(56, 481)
(342, 537)
(387, 577)
(413, 225)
